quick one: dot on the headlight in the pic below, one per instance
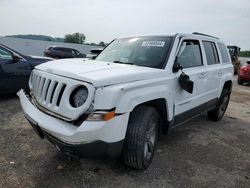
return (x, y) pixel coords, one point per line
(79, 96)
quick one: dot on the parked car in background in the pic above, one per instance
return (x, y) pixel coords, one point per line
(15, 69)
(244, 73)
(62, 52)
(94, 53)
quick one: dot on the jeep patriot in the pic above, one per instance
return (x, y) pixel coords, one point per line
(136, 89)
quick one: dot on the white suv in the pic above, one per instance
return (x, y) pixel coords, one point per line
(135, 89)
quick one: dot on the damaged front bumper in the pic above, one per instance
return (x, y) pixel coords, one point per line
(103, 139)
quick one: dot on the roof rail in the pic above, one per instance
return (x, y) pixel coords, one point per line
(196, 33)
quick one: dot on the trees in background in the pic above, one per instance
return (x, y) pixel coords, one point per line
(38, 37)
(102, 43)
(77, 38)
(245, 53)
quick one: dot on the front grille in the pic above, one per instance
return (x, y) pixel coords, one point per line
(51, 94)
(47, 91)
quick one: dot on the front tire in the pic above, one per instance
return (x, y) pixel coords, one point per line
(221, 107)
(141, 137)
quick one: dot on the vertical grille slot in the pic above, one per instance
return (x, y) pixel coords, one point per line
(60, 95)
(37, 85)
(31, 80)
(47, 89)
(41, 85)
(53, 91)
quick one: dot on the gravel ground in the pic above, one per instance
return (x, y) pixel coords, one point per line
(200, 153)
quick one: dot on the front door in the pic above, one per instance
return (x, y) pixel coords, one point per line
(187, 104)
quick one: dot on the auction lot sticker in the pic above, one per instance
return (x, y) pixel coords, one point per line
(153, 43)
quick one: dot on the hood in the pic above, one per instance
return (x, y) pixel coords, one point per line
(36, 60)
(40, 57)
(100, 73)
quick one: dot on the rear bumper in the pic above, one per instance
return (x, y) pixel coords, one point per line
(244, 77)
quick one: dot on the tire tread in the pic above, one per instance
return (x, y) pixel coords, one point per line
(135, 137)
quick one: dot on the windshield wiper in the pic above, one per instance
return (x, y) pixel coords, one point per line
(122, 62)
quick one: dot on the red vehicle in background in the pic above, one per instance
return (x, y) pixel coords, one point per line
(244, 73)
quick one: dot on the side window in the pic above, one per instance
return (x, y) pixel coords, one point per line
(74, 52)
(57, 49)
(189, 54)
(211, 53)
(224, 53)
(62, 49)
(5, 54)
(68, 50)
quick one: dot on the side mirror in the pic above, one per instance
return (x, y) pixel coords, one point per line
(15, 57)
(186, 83)
(177, 65)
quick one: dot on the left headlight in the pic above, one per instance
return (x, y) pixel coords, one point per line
(79, 96)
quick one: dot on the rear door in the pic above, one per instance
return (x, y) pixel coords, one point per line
(213, 72)
(13, 75)
(65, 52)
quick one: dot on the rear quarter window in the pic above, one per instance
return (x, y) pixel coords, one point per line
(224, 53)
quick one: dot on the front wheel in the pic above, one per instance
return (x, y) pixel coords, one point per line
(221, 107)
(141, 137)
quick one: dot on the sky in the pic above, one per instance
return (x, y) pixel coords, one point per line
(104, 20)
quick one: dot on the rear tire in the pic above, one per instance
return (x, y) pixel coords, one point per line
(240, 82)
(141, 137)
(221, 107)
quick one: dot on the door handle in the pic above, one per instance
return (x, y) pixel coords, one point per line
(203, 75)
(220, 73)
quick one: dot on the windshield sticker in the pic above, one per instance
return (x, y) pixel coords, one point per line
(153, 43)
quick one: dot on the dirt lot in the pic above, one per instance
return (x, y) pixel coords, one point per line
(200, 153)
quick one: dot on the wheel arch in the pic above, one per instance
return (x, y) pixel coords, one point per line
(228, 85)
(161, 106)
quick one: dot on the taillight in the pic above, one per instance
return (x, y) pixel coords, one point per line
(243, 70)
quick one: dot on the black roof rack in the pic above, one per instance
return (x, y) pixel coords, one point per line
(196, 33)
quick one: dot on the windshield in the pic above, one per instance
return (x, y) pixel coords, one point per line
(141, 51)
